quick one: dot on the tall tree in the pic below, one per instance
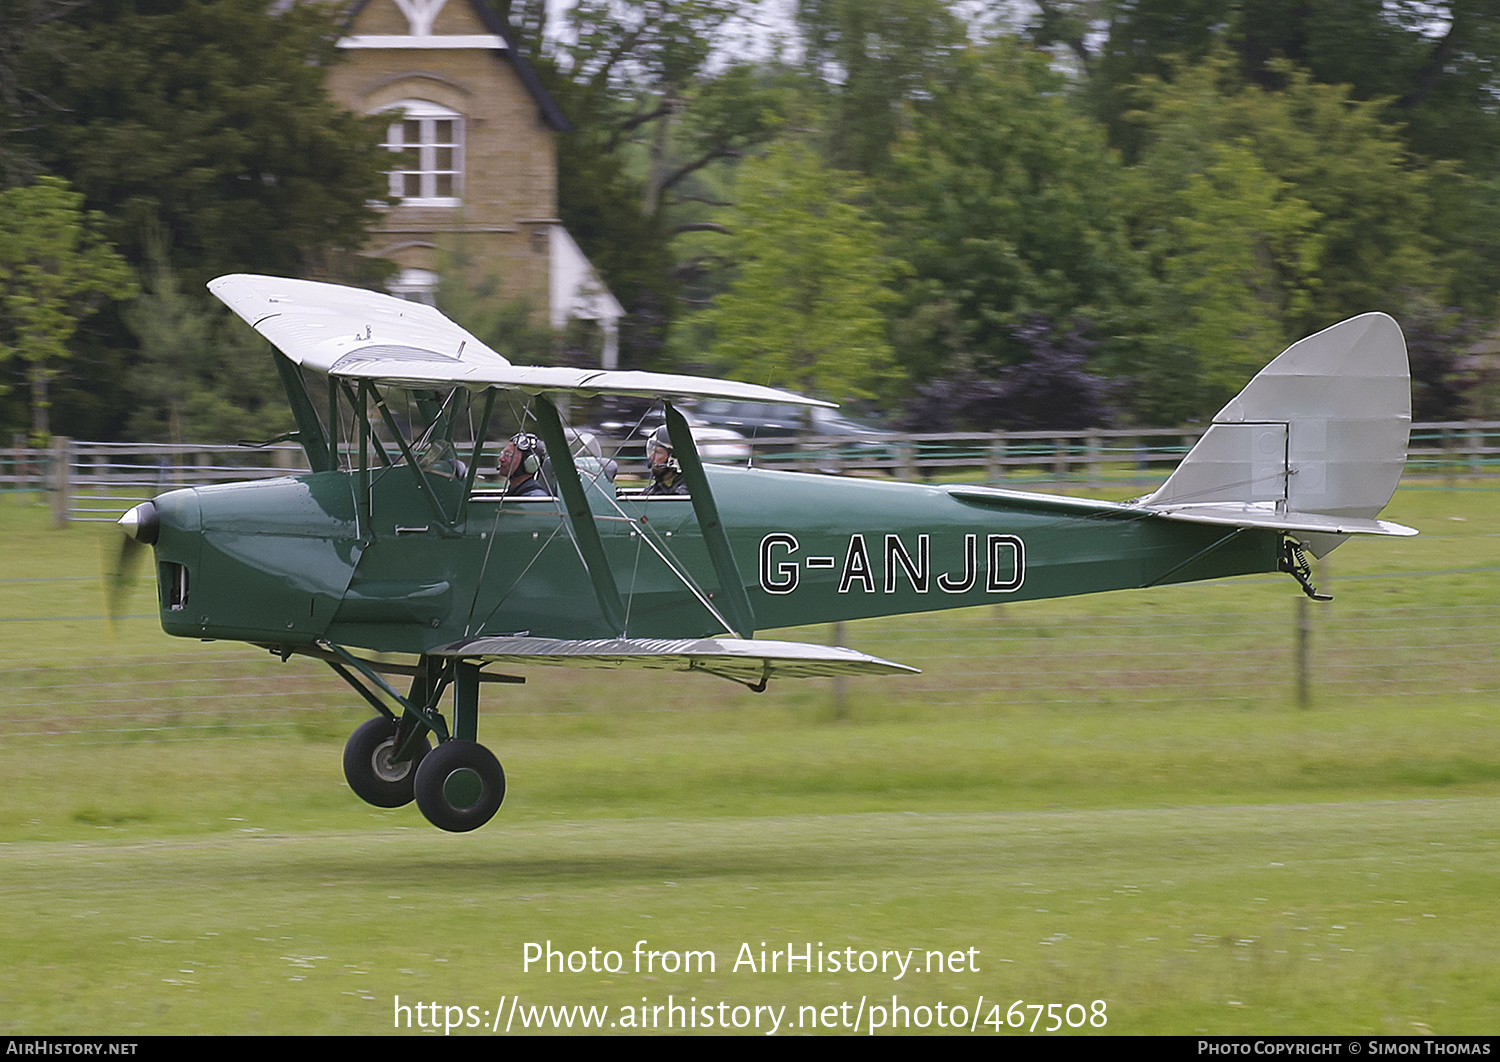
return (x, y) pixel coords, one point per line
(209, 117)
(805, 308)
(25, 44)
(1435, 64)
(868, 60)
(175, 332)
(1428, 73)
(1004, 200)
(1268, 215)
(203, 118)
(202, 375)
(655, 110)
(55, 268)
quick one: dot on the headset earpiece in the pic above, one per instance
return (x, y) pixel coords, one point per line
(531, 449)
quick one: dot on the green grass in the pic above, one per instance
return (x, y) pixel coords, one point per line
(1112, 798)
(1370, 917)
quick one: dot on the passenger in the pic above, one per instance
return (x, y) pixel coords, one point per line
(666, 473)
(519, 463)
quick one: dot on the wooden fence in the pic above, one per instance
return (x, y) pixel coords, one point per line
(97, 481)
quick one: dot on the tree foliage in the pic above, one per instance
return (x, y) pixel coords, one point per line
(1266, 216)
(1005, 202)
(25, 45)
(56, 267)
(510, 327)
(805, 309)
(1051, 388)
(1426, 73)
(1434, 64)
(202, 376)
(205, 120)
(1205, 181)
(651, 115)
(867, 61)
(209, 118)
(1444, 377)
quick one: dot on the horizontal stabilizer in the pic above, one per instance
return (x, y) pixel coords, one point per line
(751, 661)
(1252, 514)
(358, 334)
(1232, 514)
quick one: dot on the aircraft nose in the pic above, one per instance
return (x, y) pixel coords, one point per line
(142, 523)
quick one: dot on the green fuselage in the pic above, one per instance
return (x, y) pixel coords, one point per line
(295, 560)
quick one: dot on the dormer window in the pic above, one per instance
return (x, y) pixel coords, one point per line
(429, 140)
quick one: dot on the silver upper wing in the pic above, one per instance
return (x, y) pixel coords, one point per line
(354, 333)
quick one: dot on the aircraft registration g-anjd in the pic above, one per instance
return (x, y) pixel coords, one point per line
(394, 544)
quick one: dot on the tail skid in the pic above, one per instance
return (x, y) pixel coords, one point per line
(1314, 445)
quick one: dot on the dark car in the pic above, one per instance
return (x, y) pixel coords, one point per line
(623, 423)
(820, 438)
(771, 420)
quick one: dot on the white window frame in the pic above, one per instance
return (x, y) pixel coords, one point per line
(415, 285)
(436, 163)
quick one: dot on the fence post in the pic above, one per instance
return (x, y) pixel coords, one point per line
(1304, 638)
(58, 479)
(906, 468)
(25, 465)
(840, 682)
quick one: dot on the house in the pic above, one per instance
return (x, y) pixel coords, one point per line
(474, 165)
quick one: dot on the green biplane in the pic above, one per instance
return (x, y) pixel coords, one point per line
(397, 542)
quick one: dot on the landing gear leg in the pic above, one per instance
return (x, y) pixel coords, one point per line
(459, 785)
(1293, 560)
(464, 784)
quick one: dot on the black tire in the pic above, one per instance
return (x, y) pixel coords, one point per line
(368, 767)
(460, 786)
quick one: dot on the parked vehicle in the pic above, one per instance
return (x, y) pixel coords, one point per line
(766, 420)
(623, 423)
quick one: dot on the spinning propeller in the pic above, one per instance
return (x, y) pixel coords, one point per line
(140, 525)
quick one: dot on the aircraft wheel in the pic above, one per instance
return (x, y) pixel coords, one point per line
(371, 772)
(459, 786)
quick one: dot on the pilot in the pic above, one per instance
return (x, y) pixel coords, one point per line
(519, 463)
(666, 473)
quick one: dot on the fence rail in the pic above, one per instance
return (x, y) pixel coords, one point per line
(97, 481)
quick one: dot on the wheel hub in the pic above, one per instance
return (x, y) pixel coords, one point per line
(463, 788)
(384, 763)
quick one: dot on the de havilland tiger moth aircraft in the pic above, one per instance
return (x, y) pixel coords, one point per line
(395, 547)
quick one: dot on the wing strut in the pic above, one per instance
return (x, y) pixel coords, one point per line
(734, 611)
(320, 456)
(580, 515)
(736, 603)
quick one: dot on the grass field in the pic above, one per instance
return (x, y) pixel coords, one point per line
(1108, 799)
